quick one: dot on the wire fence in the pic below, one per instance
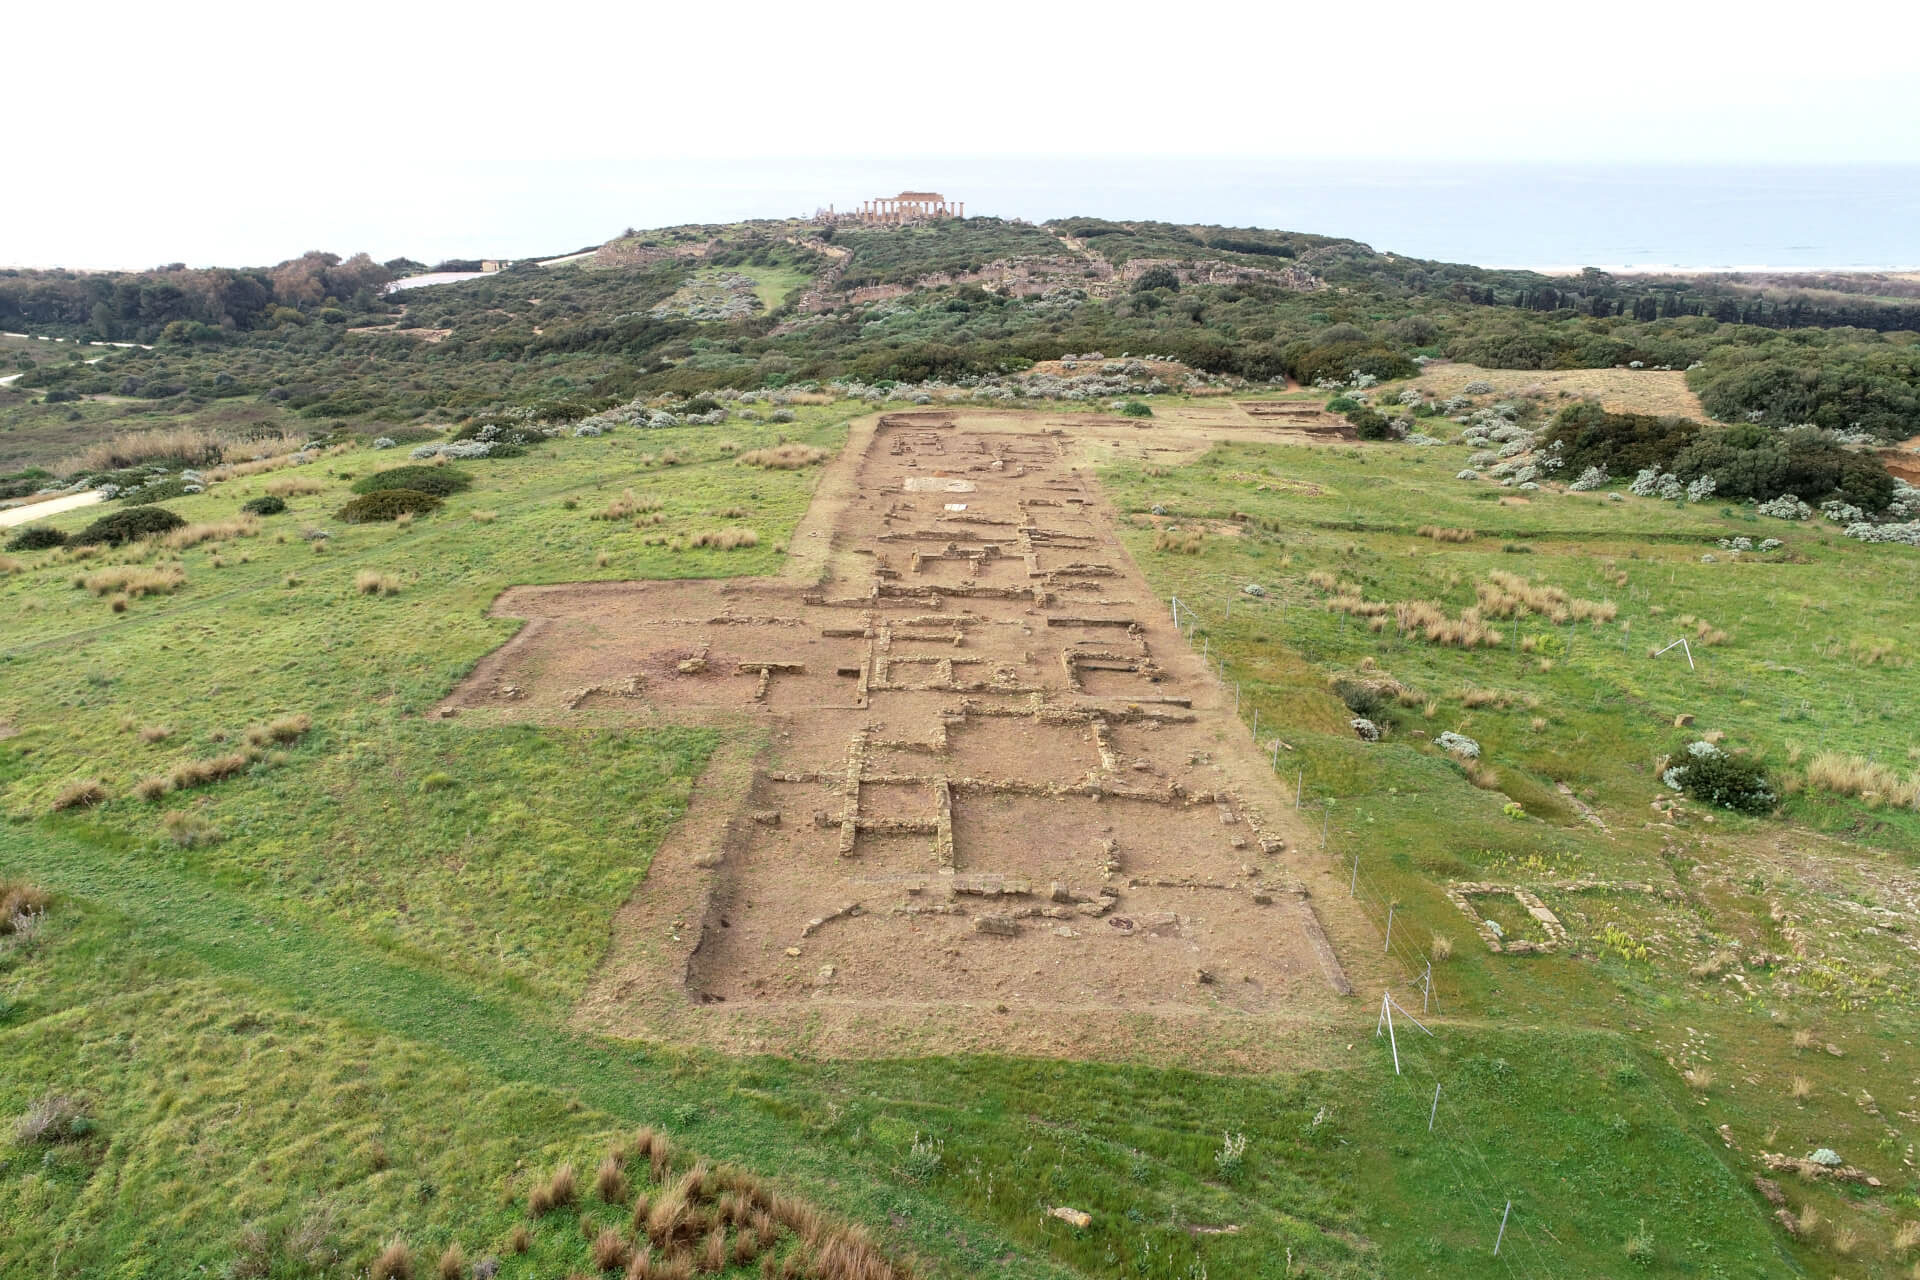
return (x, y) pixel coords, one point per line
(1408, 1001)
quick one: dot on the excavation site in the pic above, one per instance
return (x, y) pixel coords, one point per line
(978, 790)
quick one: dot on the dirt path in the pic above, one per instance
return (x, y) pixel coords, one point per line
(977, 793)
(26, 514)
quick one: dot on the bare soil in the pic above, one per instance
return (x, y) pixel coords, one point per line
(1001, 805)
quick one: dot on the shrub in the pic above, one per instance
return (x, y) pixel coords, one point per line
(387, 504)
(1720, 778)
(1369, 425)
(440, 481)
(128, 526)
(270, 505)
(371, 582)
(36, 537)
(1136, 409)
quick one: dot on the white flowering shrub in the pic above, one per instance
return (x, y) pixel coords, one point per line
(1907, 532)
(1458, 744)
(1410, 396)
(1700, 489)
(1591, 478)
(1646, 483)
(385, 442)
(1484, 458)
(1842, 512)
(781, 415)
(1770, 544)
(1468, 474)
(1742, 543)
(1477, 387)
(1785, 507)
(1670, 490)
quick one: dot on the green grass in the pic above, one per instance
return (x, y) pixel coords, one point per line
(1789, 676)
(356, 1004)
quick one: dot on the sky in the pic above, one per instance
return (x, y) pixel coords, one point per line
(247, 133)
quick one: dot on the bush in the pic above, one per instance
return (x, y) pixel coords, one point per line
(128, 526)
(440, 481)
(387, 504)
(1136, 409)
(1728, 781)
(1369, 425)
(36, 537)
(265, 506)
(1618, 443)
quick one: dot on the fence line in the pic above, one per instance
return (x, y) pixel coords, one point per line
(1508, 1235)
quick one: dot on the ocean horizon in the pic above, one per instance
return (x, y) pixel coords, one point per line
(1536, 216)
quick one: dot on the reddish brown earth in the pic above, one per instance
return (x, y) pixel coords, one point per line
(977, 793)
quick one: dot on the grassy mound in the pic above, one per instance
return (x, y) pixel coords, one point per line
(440, 481)
(387, 504)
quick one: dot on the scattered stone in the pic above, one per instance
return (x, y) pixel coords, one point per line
(1263, 899)
(1827, 1156)
(1203, 976)
(1072, 1217)
(1254, 589)
(767, 817)
(1769, 1189)
(998, 926)
(793, 951)
(1682, 720)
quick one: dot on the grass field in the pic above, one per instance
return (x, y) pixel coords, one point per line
(328, 1001)
(1781, 935)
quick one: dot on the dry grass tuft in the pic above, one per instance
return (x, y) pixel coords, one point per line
(453, 1263)
(726, 539)
(484, 517)
(19, 901)
(1440, 534)
(180, 446)
(610, 1251)
(196, 773)
(1845, 1241)
(8, 564)
(519, 1240)
(371, 582)
(563, 1187)
(785, 457)
(628, 505)
(1800, 1088)
(190, 830)
(192, 535)
(1803, 1038)
(713, 1250)
(610, 1182)
(1441, 948)
(1906, 1237)
(82, 793)
(394, 1263)
(1186, 542)
(281, 730)
(1850, 775)
(1699, 1079)
(294, 486)
(1807, 1221)
(135, 580)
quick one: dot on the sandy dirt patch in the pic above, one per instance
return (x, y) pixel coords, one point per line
(29, 512)
(1655, 391)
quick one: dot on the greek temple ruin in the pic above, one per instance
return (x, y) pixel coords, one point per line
(907, 207)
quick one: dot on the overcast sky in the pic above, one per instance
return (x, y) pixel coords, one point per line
(246, 133)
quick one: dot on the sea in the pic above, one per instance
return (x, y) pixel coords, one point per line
(1641, 217)
(455, 204)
